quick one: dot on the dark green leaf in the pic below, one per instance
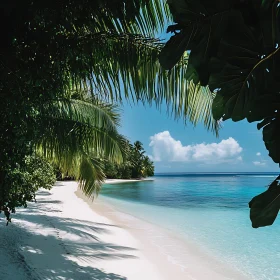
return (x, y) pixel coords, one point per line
(265, 206)
(175, 47)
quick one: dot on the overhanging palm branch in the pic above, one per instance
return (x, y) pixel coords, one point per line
(135, 16)
(152, 18)
(46, 50)
(127, 66)
(74, 133)
(91, 173)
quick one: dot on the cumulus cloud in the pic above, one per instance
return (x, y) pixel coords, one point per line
(166, 148)
(259, 163)
(258, 154)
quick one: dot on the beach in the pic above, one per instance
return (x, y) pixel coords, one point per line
(65, 235)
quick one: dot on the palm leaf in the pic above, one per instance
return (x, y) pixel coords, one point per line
(152, 17)
(73, 133)
(91, 175)
(130, 69)
(135, 16)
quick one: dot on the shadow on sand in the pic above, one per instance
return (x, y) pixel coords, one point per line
(62, 248)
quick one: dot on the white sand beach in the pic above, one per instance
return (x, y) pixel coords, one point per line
(66, 236)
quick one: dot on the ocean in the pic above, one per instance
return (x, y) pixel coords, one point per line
(210, 209)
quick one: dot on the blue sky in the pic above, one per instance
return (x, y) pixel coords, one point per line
(175, 147)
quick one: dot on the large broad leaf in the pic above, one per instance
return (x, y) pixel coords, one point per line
(186, 14)
(206, 41)
(271, 138)
(246, 72)
(186, 11)
(202, 24)
(175, 47)
(265, 206)
(231, 72)
(201, 32)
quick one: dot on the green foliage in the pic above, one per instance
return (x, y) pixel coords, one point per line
(22, 182)
(265, 206)
(51, 55)
(233, 48)
(61, 63)
(38, 173)
(148, 167)
(135, 164)
(75, 133)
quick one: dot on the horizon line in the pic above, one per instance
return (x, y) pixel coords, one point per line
(226, 172)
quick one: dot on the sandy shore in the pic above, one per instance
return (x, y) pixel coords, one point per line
(66, 236)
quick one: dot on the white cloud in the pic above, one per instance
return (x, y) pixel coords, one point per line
(259, 163)
(258, 154)
(166, 148)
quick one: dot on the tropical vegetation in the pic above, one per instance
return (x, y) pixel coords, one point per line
(64, 63)
(232, 48)
(62, 66)
(136, 164)
(24, 180)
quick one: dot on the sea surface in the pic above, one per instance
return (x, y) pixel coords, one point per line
(210, 209)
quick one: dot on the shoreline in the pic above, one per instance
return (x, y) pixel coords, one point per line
(65, 235)
(160, 246)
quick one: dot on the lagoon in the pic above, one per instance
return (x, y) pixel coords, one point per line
(209, 210)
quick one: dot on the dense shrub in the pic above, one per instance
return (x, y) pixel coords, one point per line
(24, 181)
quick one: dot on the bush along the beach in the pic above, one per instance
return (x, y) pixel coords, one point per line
(24, 180)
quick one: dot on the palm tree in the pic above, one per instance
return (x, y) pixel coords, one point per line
(137, 154)
(78, 135)
(148, 167)
(138, 146)
(102, 47)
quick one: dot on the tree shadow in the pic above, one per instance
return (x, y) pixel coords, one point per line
(43, 193)
(49, 201)
(63, 248)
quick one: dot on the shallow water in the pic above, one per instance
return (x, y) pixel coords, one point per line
(211, 209)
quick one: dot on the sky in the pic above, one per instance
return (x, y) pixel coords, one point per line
(175, 147)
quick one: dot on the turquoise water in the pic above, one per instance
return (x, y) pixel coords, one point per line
(211, 209)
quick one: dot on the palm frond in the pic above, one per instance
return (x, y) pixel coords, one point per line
(147, 17)
(88, 110)
(74, 133)
(72, 126)
(130, 69)
(152, 18)
(91, 175)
